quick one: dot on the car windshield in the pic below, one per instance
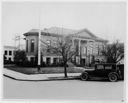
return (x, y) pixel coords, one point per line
(108, 67)
(100, 67)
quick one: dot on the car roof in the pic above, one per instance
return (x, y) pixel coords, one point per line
(105, 64)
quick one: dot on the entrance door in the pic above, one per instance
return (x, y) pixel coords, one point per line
(55, 60)
(48, 60)
(83, 62)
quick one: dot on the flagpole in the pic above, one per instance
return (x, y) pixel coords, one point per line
(39, 44)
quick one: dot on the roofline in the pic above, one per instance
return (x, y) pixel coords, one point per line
(75, 35)
(11, 47)
(42, 33)
(102, 40)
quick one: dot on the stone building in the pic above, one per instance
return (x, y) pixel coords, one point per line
(89, 46)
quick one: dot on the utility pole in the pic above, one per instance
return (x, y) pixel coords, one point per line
(19, 41)
(39, 44)
(16, 38)
(14, 41)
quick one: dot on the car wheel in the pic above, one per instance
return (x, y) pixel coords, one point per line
(84, 76)
(113, 77)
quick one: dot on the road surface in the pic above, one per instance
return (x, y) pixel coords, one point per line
(63, 89)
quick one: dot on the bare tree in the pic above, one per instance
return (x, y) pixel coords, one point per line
(65, 49)
(114, 52)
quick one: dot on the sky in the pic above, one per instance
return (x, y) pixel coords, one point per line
(104, 19)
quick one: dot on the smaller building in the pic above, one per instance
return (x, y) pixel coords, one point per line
(9, 53)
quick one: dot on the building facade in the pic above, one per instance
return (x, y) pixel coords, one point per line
(87, 44)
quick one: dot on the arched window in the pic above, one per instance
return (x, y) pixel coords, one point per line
(32, 45)
(26, 45)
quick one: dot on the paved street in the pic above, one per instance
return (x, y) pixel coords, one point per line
(63, 89)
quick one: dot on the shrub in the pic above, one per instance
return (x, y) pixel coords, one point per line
(8, 62)
(20, 57)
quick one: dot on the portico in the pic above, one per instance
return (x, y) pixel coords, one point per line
(85, 49)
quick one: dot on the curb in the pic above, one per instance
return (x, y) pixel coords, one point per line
(49, 78)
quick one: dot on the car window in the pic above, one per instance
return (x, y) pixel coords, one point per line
(108, 67)
(100, 67)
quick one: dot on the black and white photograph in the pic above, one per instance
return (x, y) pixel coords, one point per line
(66, 51)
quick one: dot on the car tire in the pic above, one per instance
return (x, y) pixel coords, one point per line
(112, 77)
(84, 76)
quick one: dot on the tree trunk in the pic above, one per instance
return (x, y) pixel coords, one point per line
(38, 68)
(65, 71)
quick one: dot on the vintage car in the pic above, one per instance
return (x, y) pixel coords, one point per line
(111, 71)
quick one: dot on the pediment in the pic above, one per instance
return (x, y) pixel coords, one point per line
(85, 33)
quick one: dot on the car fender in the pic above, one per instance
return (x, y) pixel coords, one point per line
(113, 73)
(84, 73)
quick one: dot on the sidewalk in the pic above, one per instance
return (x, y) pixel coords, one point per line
(39, 77)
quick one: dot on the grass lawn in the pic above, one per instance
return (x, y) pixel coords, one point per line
(45, 70)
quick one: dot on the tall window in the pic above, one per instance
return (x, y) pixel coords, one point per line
(5, 52)
(98, 50)
(32, 45)
(10, 52)
(26, 45)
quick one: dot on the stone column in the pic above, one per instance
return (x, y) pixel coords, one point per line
(79, 50)
(44, 59)
(51, 60)
(74, 57)
(73, 43)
